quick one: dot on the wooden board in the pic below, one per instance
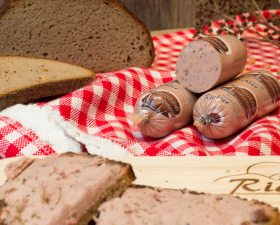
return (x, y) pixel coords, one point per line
(162, 14)
(248, 177)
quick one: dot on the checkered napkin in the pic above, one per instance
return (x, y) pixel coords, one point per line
(99, 112)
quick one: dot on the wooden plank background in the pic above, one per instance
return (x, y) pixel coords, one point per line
(166, 14)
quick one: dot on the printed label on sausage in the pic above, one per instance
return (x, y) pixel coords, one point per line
(219, 45)
(215, 117)
(256, 88)
(245, 98)
(162, 102)
(182, 90)
(271, 85)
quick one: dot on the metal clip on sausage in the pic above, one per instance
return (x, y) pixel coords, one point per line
(140, 117)
(202, 120)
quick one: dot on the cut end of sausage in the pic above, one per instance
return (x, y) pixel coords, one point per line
(198, 66)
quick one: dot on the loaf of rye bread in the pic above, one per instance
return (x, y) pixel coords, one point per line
(148, 205)
(60, 190)
(23, 79)
(101, 35)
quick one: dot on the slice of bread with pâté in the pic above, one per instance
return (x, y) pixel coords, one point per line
(60, 190)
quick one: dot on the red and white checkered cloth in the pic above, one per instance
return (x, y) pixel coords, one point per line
(101, 110)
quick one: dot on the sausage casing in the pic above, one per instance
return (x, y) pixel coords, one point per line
(168, 107)
(232, 106)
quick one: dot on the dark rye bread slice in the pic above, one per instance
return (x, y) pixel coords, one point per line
(148, 205)
(60, 190)
(101, 35)
(23, 79)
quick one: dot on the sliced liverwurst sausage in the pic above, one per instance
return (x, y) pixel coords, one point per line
(234, 105)
(210, 61)
(163, 109)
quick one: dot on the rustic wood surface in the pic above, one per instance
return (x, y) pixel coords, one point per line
(245, 176)
(163, 14)
(168, 14)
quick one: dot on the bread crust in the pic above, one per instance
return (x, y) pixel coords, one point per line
(121, 185)
(41, 91)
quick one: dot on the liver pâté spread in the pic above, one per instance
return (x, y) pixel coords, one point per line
(210, 61)
(165, 207)
(54, 190)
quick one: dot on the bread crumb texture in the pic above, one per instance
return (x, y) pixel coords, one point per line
(17, 73)
(24, 79)
(101, 35)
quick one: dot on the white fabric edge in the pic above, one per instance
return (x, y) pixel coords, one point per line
(42, 122)
(94, 145)
(61, 135)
